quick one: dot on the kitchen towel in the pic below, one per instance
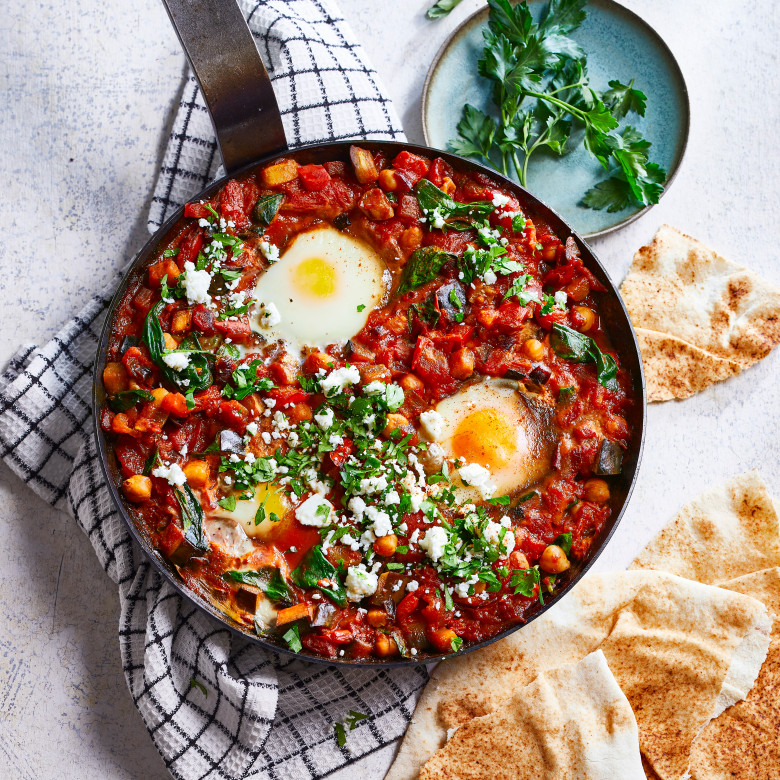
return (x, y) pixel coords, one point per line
(215, 705)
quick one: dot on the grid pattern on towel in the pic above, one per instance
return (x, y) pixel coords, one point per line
(216, 705)
(324, 88)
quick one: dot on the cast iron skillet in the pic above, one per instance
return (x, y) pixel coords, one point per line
(249, 130)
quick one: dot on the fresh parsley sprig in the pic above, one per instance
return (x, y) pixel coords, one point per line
(542, 94)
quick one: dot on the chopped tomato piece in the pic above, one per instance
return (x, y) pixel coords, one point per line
(196, 211)
(176, 404)
(236, 200)
(189, 249)
(342, 452)
(314, 177)
(431, 365)
(239, 331)
(234, 415)
(412, 164)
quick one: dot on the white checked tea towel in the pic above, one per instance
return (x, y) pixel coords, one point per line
(215, 705)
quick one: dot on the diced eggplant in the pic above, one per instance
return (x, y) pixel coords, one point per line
(511, 373)
(248, 598)
(540, 374)
(127, 342)
(416, 637)
(342, 221)
(325, 615)
(388, 588)
(230, 441)
(452, 300)
(610, 458)
(182, 555)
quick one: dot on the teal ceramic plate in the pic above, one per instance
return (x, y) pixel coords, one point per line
(620, 45)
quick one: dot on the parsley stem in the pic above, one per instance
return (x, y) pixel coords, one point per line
(568, 86)
(568, 107)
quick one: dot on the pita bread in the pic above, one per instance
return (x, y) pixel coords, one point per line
(570, 722)
(709, 316)
(670, 643)
(676, 369)
(730, 530)
(742, 743)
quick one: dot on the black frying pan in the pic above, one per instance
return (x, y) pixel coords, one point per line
(249, 130)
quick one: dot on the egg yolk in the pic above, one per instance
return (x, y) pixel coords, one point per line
(268, 497)
(485, 437)
(315, 277)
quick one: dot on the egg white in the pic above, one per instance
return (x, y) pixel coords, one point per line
(490, 423)
(317, 286)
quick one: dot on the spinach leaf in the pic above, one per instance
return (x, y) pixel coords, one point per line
(196, 376)
(153, 458)
(270, 581)
(266, 209)
(192, 518)
(127, 399)
(458, 216)
(572, 345)
(314, 568)
(423, 266)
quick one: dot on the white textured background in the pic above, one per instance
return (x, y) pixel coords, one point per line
(87, 91)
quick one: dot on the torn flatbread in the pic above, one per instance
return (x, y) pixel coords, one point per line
(701, 317)
(730, 530)
(570, 722)
(676, 369)
(669, 642)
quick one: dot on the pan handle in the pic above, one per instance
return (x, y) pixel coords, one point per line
(232, 77)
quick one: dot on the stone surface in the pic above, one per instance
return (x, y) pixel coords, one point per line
(89, 89)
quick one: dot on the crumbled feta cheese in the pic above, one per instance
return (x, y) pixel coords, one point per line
(412, 586)
(436, 219)
(462, 588)
(196, 284)
(270, 251)
(500, 200)
(357, 506)
(560, 299)
(374, 388)
(270, 316)
(360, 582)
(324, 418)
(489, 277)
(479, 477)
(492, 534)
(315, 511)
(392, 498)
(432, 424)
(173, 474)
(337, 380)
(381, 525)
(293, 439)
(178, 361)
(506, 521)
(434, 542)
(266, 437)
(370, 485)
(251, 429)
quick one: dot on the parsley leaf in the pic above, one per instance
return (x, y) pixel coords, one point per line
(622, 98)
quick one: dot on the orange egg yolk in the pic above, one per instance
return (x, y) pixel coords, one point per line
(315, 277)
(485, 437)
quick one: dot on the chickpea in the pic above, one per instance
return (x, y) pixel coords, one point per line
(462, 363)
(377, 618)
(137, 488)
(394, 421)
(553, 560)
(442, 638)
(412, 382)
(170, 341)
(411, 238)
(385, 545)
(578, 290)
(517, 560)
(534, 349)
(588, 317)
(597, 491)
(384, 645)
(197, 473)
(115, 378)
(388, 180)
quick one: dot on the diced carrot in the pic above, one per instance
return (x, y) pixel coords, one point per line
(115, 378)
(166, 267)
(296, 612)
(176, 404)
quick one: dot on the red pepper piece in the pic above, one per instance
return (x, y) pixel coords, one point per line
(313, 177)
